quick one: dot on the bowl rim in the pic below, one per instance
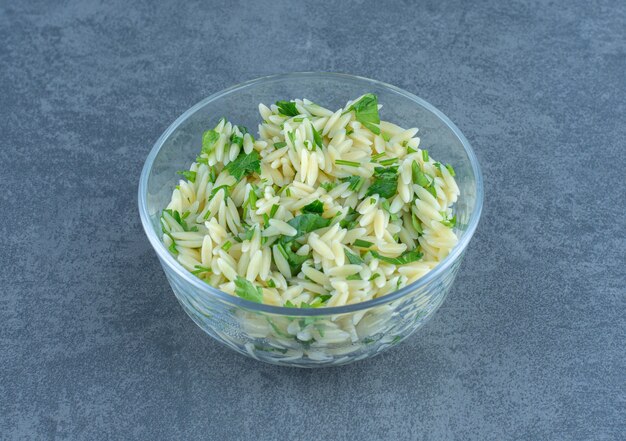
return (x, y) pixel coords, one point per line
(206, 289)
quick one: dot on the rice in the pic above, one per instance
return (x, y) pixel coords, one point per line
(324, 208)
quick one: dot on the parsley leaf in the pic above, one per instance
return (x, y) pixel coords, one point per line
(189, 175)
(305, 223)
(403, 259)
(356, 182)
(209, 138)
(328, 185)
(287, 108)
(419, 177)
(180, 219)
(362, 243)
(280, 145)
(451, 170)
(353, 258)
(314, 207)
(350, 219)
(450, 222)
(248, 291)
(317, 138)
(385, 182)
(366, 112)
(294, 260)
(244, 165)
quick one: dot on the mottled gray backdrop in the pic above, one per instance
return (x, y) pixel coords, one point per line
(530, 345)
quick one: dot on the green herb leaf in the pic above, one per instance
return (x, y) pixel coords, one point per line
(362, 243)
(388, 162)
(425, 155)
(419, 177)
(294, 260)
(385, 136)
(247, 290)
(328, 185)
(450, 169)
(236, 139)
(317, 138)
(180, 219)
(354, 277)
(227, 245)
(314, 207)
(350, 219)
(385, 182)
(356, 182)
(199, 269)
(450, 222)
(377, 156)
(280, 145)
(353, 258)
(244, 165)
(216, 189)
(287, 108)
(189, 175)
(347, 163)
(292, 137)
(366, 112)
(403, 259)
(274, 210)
(271, 283)
(209, 138)
(305, 223)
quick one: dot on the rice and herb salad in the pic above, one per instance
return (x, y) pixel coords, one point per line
(322, 209)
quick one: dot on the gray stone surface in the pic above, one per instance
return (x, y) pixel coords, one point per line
(528, 346)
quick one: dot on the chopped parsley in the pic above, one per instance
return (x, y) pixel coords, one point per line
(419, 177)
(385, 182)
(314, 207)
(317, 138)
(425, 155)
(248, 291)
(347, 163)
(356, 182)
(349, 221)
(362, 243)
(366, 112)
(450, 169)
(280, 145)
(244, 165)
(403, 259)
(294, 260)
(377, 156)
(180, 219)
(356, 276)
(199, 269)
(189, 175)
(216, 189)
(385, 136)
(227, 245)
(209, 138)
(287, 108)
(307, 222)
(292, 137)
(353, 258)
(450, 222)
(328, 185)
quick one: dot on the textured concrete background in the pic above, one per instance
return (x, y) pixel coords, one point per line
(528, 346)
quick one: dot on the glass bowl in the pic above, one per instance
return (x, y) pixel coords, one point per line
(322, 336)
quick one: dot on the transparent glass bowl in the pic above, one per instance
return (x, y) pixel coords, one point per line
(323, 336)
